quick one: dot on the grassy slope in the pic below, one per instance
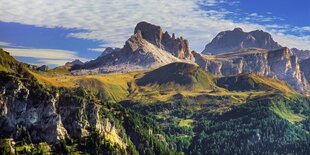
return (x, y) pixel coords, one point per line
(163, 84)
(8, 63)
(253, 82)
(113, 86)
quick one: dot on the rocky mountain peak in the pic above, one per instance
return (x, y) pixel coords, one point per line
(150, 32)
(238, 29)
(108, 50)
(228, 41)
(133, 43)
(75, 62)
(178, 47)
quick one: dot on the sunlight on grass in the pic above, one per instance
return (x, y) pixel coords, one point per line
(186, 123)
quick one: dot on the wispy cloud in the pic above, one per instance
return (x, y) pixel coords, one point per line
(4, 44)
(113, 21)
(46, 56)
(97, 49)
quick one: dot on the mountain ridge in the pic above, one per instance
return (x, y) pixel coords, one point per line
(61, 114)
(227, 41)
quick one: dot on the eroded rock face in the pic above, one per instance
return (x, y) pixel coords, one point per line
(109, 50)
(301, 54)
(305, 68)
(236, 39)
(150, 32)
(154, 34)
(45, 116)
(280, 64)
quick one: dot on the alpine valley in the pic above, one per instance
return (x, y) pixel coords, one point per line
(244, 94)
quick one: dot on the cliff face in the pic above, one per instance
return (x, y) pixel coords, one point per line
(301, 54)
(49, 116)
(237, 39)
(154, 34)
(280, 64)
(304, 67)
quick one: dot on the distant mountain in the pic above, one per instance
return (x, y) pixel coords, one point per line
(280, 64)
(237, 39)
(75, 62)
(147, 48)
(178, 75)
(301, 54)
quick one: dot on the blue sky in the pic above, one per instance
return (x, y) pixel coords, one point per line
(53, 32)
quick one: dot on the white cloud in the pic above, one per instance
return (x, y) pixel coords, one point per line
(54, 62)
(5, 44)
(113, 21)
(306, 28)
(46, 56)
(97, 49)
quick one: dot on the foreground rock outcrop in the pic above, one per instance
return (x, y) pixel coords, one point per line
(48, 116)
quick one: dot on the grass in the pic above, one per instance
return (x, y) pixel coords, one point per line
(282, 110)
(186, 123)
(253, 82)
(6, 146)
(273, 83)
(61, 70)
(114, 86)
(7, 62)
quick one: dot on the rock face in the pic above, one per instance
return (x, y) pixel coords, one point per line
(154, 34)
(27, 108)
(301, 54)
(304, 67)
(280, 64)
(236, 39)
(109, 50)
(147, 48)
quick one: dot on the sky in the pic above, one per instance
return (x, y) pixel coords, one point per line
(54, 32)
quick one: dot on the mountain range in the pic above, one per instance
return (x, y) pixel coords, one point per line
(232, 53)
(156, 96)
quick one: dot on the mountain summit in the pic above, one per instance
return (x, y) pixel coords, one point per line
(148, 47)
(227, 41)
(154, 34)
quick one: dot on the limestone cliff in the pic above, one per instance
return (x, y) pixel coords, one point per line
(49, 116)
(280, 64)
